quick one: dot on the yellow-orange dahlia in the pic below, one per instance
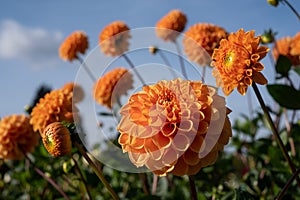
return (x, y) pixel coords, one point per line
(169, 26)
(57, 140)
(109, 88)
(236, 62)
(176, 126)
(75, 43)
(74, 91)
(295, 46)
(113, 39)
(16, 137)
(201, 39)
(55, 106)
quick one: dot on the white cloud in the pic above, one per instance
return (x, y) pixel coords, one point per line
(34, 45)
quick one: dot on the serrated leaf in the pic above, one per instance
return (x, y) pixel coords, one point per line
(283, 65)
(285, 96)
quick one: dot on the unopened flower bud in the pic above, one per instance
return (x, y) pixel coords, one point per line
(57, 139)
(153, 50)
(273, 2)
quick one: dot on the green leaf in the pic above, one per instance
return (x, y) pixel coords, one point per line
(285, 96)
(105, 114)
(283, 65)
(297, 70)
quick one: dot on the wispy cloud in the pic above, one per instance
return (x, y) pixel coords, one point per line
(37, 46)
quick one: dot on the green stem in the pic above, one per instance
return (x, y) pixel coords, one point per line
(134, 69)
(87, 69)
(292, 8)
(180, 59)
(193, 188)
(274, 131)
(154, 184)
(82, 178)
(287, 185)
(163, 57)
(97, 171)
(47, 178)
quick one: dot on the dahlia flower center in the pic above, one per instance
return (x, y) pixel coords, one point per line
(228, 59)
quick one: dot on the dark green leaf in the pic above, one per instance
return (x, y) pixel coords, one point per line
(105, 114)
(285, 96)
(283, 65)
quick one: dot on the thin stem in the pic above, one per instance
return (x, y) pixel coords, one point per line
(154, 184)
(163, 57)
(143, 178)
(274, 131)
(292, 8)
(203, 74)
(97, 171)
(47, 178)
(82, 178)
(193, 188)
(180, 59)
(87, 69)
(287, 185)
(133, 68)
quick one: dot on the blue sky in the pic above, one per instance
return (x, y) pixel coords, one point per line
(31, 32)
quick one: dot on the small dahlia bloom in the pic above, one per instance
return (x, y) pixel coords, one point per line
(17, 137)
(75, 43)
(287, 46)
(169, 27)
(176, 126)
(113, 39)
(57, 140)
(110, 87)
(55, 106)
(237, 62)
(74, 91)
(200, 41)
(295, 45)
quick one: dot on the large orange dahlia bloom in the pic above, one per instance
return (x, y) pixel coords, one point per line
(201, 39)
(289, 47)
(113, 39)
(236, 62)
(169, 26)
(176, 127)
(75, 43)
(16, 137)
(55, 106)
(110, 87)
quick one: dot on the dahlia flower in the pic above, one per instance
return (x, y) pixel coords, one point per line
(74, 91)
(111, 86)
(55, 106)
(113, 39)
(200, 41)
(169, 26)
(57, 140)
(237, 62)
(171, 127)
(17, 137)
(75, 43)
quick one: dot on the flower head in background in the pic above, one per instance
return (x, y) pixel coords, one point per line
(113, 39)
(165, 127)
(169, 26)
(200, 41)
(289, 47)
(74, 91)
(74, 44)
(237, 62)
(57, 140)
(16, 137)
(110, 87)
(56, 106)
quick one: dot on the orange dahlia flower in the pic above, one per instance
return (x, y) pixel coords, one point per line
(287, 46)
(75, 43)
(111, 86)
(113, 39)
(295, 46)
(201, 39)
(57, 140)
(169, 27)
(16, 137)
(55, 106)
(171, 127)
(74, 91)
(236, 62)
